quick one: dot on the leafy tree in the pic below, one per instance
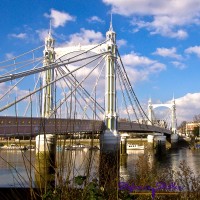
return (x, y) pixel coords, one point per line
(196, 131)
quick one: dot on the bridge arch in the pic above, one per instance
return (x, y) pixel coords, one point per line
(171, 106)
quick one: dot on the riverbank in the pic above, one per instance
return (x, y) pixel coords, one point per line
(185, 142)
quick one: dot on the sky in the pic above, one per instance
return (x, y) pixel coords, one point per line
(159, 41)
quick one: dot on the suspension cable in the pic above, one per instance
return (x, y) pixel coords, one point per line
(126, 87)
(59, 71)
(42, 87)
(133, 93)
(73, 82)
(87, 50)
(93, 90)
(64, 99)
(122, 89)
(85, 91)
(41, 69)
(26, 61)
(14, 58)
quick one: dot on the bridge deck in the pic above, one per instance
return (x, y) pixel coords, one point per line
(14, 126)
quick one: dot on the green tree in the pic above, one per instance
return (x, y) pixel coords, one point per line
(196, 131)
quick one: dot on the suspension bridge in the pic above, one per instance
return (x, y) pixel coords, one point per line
(72, 89)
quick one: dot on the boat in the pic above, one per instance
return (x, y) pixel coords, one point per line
(94, 148)
(76, 147)
(13, 147)
(30, 147)
(134, 147)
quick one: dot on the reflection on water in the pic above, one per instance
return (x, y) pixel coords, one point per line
(16, 170)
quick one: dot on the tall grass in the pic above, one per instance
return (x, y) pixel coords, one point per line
(84, 180)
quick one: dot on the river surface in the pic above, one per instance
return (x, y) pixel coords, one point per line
(17, 168)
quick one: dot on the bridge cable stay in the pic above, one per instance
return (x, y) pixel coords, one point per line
(27, 63)
(42, 87)
(166, 120)
(34, 59)
(79, 92)
(44, 68)
(14, 58)
(82, 88)
(64, 99)
(141, 110)
(93, 90)
(75, 83)
(129, 91)
(88, 50)
(12, 87)
(36, 99)
(67, 84)
(126, 89)
(36, 83)
(122, 89)
(11, 103)
(60, 72)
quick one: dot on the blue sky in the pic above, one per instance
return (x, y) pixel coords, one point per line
(159, 41)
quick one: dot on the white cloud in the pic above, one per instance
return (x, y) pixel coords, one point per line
(95, 19)
(188, 106)
(121, 42)
(193, 50)
(139, 68)
(43, 33)
(165, 17)
(19, 36)
(178, 65)
(9, 55)
(85, 37)
(165, 52)
(59, 18)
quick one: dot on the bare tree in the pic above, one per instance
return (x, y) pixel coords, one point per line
(196, 118)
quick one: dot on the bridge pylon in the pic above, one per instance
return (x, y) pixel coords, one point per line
(110, 139)
(171, 106)
(48, 76)
(46, 143)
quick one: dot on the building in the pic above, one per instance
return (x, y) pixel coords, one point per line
(190, 127)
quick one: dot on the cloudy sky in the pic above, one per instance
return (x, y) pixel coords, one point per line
(159, 41)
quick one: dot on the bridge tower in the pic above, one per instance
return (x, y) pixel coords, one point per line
(110, 139)
(46, 143)
(171, 106)
(173, 123)
(150, 112)
(48, 76)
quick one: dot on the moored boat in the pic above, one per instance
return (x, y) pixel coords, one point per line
(134, 147)
(76, 147)
(94, 148)
(13, 147)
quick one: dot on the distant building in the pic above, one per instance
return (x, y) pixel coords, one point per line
(190, 126)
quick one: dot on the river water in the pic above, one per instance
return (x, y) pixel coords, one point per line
(17, 168)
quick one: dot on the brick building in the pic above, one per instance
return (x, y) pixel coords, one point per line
(190, 126)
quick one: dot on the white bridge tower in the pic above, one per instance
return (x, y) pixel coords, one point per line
(110, 139)
(171, 106)
(48, 76)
